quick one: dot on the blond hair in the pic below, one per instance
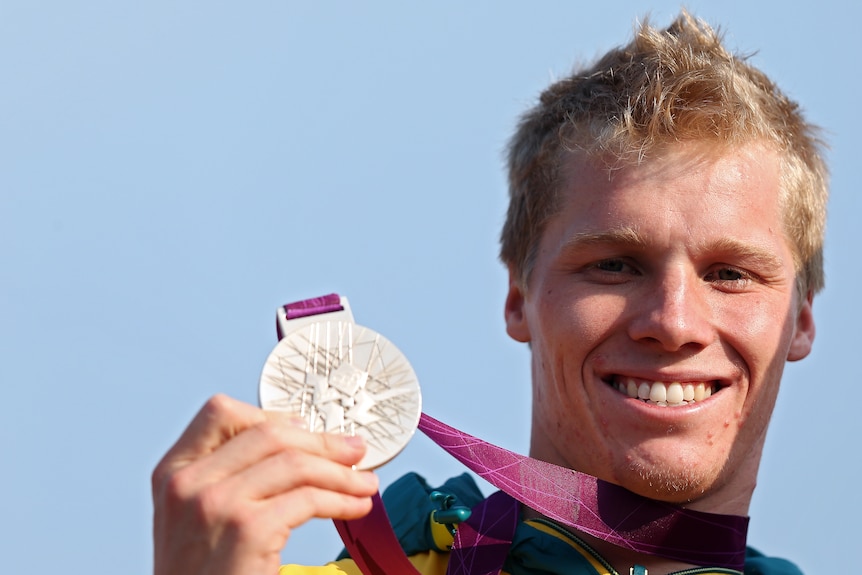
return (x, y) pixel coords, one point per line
(679, 84)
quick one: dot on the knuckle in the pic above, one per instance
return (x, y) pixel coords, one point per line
(176, 488)
(209, 506)
(218, 404)
(243, 525)
(340, 505)
(358, 506)
(179, 497)
(212, 508)
(305, 503)
(331, 443)
(159, 476)
(297, 465)
(272, 435)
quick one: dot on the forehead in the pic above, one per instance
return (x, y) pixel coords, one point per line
(679, 174)
(688, 193)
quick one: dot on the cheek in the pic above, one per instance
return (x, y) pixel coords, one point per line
(588, 318)
(759, 338)
(570, 333)
(752, 320)
(593, 321)
(759, 330)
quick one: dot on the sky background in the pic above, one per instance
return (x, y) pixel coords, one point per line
(171, 172)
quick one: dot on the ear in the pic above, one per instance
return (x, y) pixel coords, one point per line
(516, 319)
(803, 335)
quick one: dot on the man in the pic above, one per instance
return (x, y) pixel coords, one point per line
(664, 243)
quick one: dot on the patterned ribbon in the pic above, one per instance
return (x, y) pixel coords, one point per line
(598, 508)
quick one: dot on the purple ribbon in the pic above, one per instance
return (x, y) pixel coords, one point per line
(372, 543)
(480, 547)
(482, 542)
(598, 508)
(313, 306)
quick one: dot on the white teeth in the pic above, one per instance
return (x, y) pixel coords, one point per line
(643, 391)
(658, 392)
(688, 392)
(675, 394)
(663, 394)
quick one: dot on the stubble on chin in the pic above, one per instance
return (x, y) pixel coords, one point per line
(665, 484)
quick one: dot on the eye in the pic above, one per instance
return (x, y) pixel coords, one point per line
(730, 278)
(617, 266)
(729, 274)
(611, 271)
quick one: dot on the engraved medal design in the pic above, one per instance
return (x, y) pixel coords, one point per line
(344, 378)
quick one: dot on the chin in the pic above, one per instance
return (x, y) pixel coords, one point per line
(673, 484)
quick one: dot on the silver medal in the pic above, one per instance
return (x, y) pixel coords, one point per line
(344, 378)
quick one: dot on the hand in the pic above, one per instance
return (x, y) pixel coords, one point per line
(228, 493)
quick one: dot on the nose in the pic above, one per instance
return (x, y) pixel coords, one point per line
(673, 313)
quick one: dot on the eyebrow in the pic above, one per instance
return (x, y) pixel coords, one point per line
(624, 236)
(761, 257)
(629, 237)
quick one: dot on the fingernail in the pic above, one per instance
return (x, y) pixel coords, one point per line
(297, 422)
(355, 441)
(289, 419)
(369, 477)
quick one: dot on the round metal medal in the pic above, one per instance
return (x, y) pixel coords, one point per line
(341, 377)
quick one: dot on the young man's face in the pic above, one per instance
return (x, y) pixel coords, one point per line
(671, 279)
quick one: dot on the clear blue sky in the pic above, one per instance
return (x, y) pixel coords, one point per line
(170, 172)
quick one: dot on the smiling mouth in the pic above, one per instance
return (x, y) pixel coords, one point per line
(665, 394)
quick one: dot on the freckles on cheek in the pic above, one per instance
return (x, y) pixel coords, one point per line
(604, 425)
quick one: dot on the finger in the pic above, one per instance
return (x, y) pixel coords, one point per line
(293, 469)
(287, 418)
(220, 419)
(256, 536)
(297, 507)
(269, 438)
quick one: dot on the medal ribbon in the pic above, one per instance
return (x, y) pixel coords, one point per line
(598, 508)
